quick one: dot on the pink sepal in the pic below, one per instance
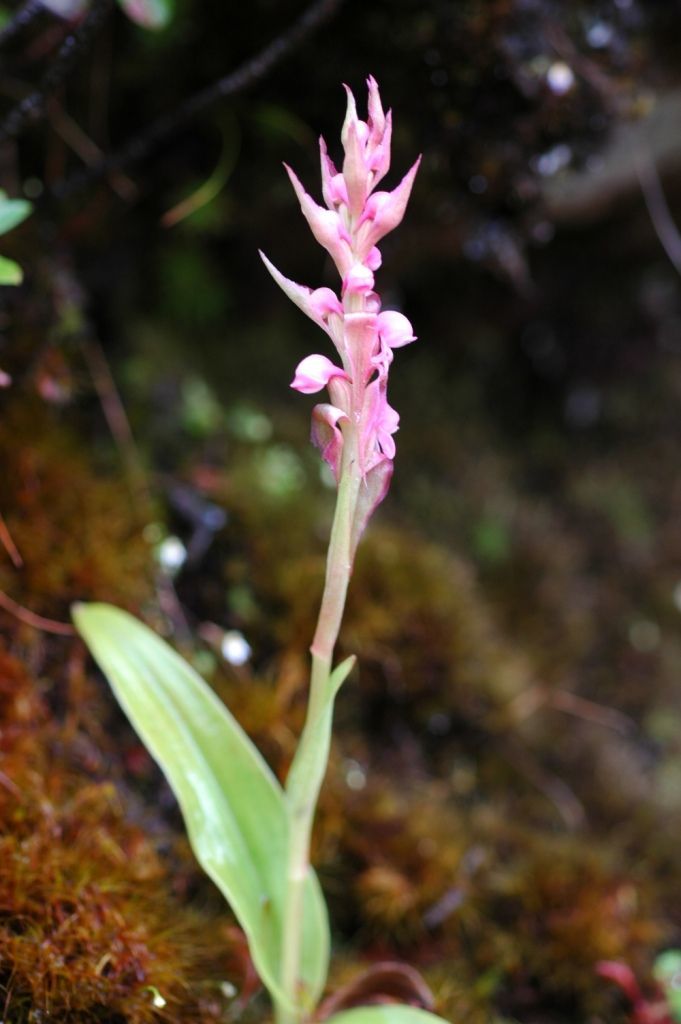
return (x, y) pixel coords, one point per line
(318, 304)
(372, 491)
(376, 116)
(380, 422)
(360, 343)
(350, 114)
(383, 211)
(314, 372)
(379, 163)
(374, 259)
(327, 435)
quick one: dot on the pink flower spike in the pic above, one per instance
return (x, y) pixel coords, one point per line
(349, 227)
(327, 435)
(314, 373)
(394, 329)
(326, 226)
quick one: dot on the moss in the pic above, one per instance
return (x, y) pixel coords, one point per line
(78, 528)
(89, 927)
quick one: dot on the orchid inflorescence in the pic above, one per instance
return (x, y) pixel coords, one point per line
(250, 833)
(358, 423)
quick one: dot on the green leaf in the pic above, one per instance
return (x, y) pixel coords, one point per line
(153, 14)
(10, 272)
(233, 807)
(393, 1014)
(307, 771)
(12, 212)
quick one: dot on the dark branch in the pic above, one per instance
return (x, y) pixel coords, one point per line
(33, 106)
(146, 141)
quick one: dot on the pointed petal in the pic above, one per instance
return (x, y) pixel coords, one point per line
(350, 113)
(326, 226)
(303, 297)
(376, 115)
(313, 373)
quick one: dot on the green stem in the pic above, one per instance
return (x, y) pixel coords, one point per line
(303, 793)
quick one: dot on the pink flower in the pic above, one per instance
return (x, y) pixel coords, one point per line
(394, 329)
(359, 419)
(314, 373)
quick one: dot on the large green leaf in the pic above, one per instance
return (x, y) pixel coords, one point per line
(385, 1015)
(233, 807)
(312, 756)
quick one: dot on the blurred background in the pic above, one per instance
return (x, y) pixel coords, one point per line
(504, 801)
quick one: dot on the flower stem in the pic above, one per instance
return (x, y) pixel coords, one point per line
(303, 785)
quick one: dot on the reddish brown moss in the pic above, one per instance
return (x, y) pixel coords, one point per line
(89, 925)
(78, 530)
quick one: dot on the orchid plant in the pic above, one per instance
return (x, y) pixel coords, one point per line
(251, 835)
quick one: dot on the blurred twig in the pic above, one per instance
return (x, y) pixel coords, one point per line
(89, 152)
(251, 71)
(115, 415)
(9, 545)
(31, 619)
(32, 107)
